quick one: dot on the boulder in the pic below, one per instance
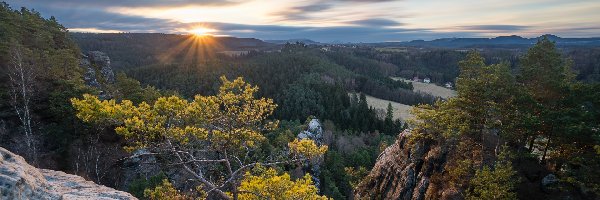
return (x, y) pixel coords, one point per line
(19, 180)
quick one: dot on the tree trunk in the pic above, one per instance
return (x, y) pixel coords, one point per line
(546, 150)
(21, 75)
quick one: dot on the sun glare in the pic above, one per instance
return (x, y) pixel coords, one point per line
(200, 45)
(201, 31)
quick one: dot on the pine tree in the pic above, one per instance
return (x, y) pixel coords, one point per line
(547, 77)
(216, 131)
(389, 120)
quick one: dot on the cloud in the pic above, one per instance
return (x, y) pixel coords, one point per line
(508, 28)
(376, 22)
(323, 34)
(587, 28)
(366, 30)
(98, 19)
(312, 8)
(125, 3)
(370, 1)
(320, 20)
(302, 12)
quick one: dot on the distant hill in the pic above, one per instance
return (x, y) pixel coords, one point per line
(87, 40)
(305, 41)
(512, 41)
(146, 48)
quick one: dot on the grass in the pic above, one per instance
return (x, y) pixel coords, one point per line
(430, 88)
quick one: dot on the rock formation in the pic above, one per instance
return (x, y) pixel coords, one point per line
(416, 170)
(98, 71)
(402, 171)
(315, 133)
(19, 180)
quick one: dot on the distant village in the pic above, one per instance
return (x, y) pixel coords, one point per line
(428, 80)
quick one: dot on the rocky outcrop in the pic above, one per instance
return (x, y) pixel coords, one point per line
(314, 132)
(419, 170)
(98, 71)
(402, 171)
(19, 180)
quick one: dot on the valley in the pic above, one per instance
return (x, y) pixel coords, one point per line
(187, 109)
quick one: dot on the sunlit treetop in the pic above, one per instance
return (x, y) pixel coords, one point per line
(220, 131)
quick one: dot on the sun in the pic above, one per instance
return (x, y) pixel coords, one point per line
(201, 31)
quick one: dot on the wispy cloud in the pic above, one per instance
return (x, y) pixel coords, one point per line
(128, 3)
(327, 20)
(376, 22)
(494, 27)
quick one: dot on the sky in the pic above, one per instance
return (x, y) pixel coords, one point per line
(328, 20)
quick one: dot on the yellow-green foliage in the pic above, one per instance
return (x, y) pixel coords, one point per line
(231, 119)
(165, 191)
(498, 183)
(268, 185)
(213, 131)
(356, 175)
(306, 148)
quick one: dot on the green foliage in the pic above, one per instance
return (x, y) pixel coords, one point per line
(165, 191)
(57, 77)
(334, 180)
(329, 186)
(300, 101)
(487, 97)
(346, 164)
(566, 115)
(126, 88)
(356, 175)
(176, 119)
(497, 183)
(210, 131)
(264, 183)
(138, 186)
(542, 104)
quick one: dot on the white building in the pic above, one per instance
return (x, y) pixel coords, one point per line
(448, 85)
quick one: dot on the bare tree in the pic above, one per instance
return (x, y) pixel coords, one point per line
(22, 79)
(91, 157)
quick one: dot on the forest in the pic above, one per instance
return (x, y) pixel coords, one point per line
(219, 126)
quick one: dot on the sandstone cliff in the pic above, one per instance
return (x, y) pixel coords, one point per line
(402, 171)
(19, 180)
(98, 71)
(419, 170)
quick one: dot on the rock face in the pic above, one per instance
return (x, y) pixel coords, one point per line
(417, 169)
(19, 180)
(138, 166)
(97, 70)
(402, 171)
(314, 132)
